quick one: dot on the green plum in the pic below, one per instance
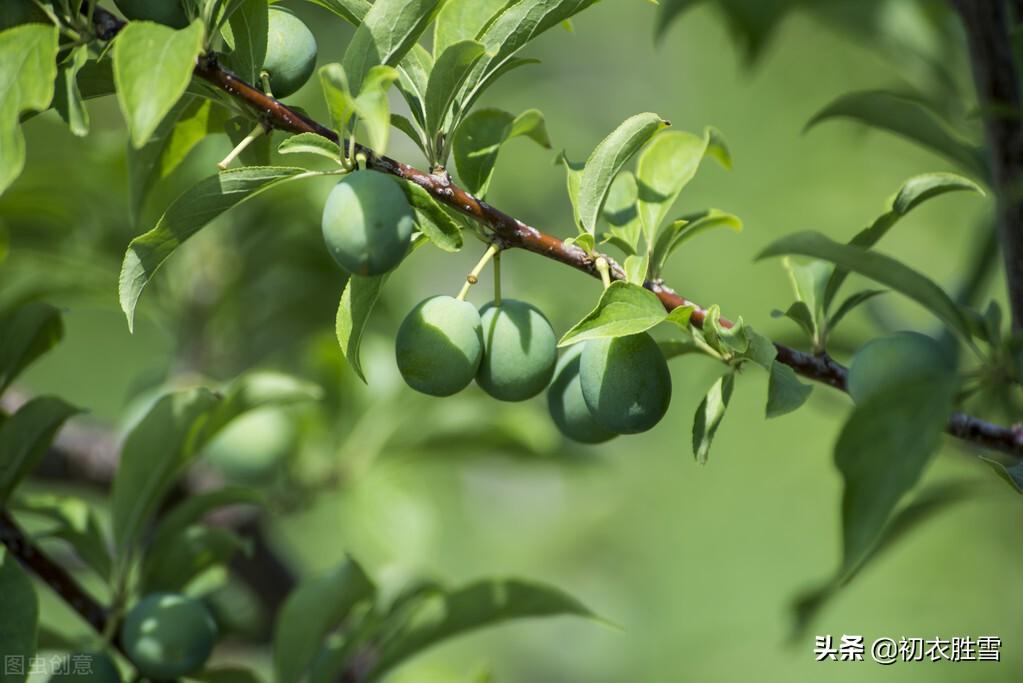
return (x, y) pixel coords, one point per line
(290, 52)
(519, 350)
(895, 359)
(169, 12)
(88, 667)
(367, 223)
(168, 636)
(625, 382)
(566, 403)
(439, 346)
(252, 448)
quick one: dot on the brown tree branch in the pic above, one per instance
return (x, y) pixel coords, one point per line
(998, 92)
(510, 232)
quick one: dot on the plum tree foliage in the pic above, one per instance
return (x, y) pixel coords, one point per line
(186, 71)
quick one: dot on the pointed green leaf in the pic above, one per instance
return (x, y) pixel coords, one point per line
(449, 72)
(373, 108)
(623, 309)
(852, 302)
(28, 67)
(67, 97)
(785, 393)
(883, 269)
(479, 138)
(250, 24)
(25, 334)
(607, 160)
(388, 31)
(352, 11)
(684, 229)
(460, 20)
(310, 143)
(311, 612)
(25, 437)
(152, 68)
(909, 118)
(433, 219)
(193, 551)
(709, 415)
(357, 302)
(75, 522)
(185, 217)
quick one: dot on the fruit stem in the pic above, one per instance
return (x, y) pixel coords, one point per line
(604, 270)
(264, 78)
(233, 154)
(497, 279)
(474, 275)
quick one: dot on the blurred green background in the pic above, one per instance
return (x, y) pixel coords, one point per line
(697, 565)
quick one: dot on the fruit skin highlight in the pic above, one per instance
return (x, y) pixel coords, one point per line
(439, 346)
(566, 404)
(625, 382)
(167, 635)
(519, 350)
(367, 223)
(290, 53)
(168, 12)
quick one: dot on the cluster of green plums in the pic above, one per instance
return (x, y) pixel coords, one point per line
(290, 47)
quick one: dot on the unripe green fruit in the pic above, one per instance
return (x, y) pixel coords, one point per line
(253, 446)
(367, 223)
(519, 351)
(625, 382)
(439, 346)
(167, 635)
(893, 360)
(566, 403)
(290, 52)
(169, 12)
(89, 667)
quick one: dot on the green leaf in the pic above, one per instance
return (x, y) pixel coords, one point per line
(388, 31)
(67, 98)
(152, 68)
(913, 192)
(607, 160)
(621, 214)
(173, 433)
(460, 20)
(312, 611)
(28, 67)
(250, 24)
(373, 108)
(191, 511)
(448, 75)
(433, 219)
(26, 333)
(685, 229)
(882, 452)
(909, 118)
(883, 269)
(310, 143)
(25, 437)
(439, 616)
(357, 302)
(623, 309)
(19, 619)
(573, 174)
(664, 168)
(709, 415)
(414, 70)
(479, 138)
(636, 269)
(185, 217)
(172, 566)
(74, 522)
(852, 302)
(785, 393)
(507, 33)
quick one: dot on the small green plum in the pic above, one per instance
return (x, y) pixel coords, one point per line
(895, 359)
(88, 667)
(439, 346)
(167, 635)
(625, 382)
(169, 12)
(367, 223)
(519, 350)
(252, 447)
(290, 52)
(566, 404)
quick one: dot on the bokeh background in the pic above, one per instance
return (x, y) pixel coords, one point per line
(696, 566)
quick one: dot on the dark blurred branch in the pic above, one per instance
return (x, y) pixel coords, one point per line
(52, 574)
(509, 232)
(987, 27)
